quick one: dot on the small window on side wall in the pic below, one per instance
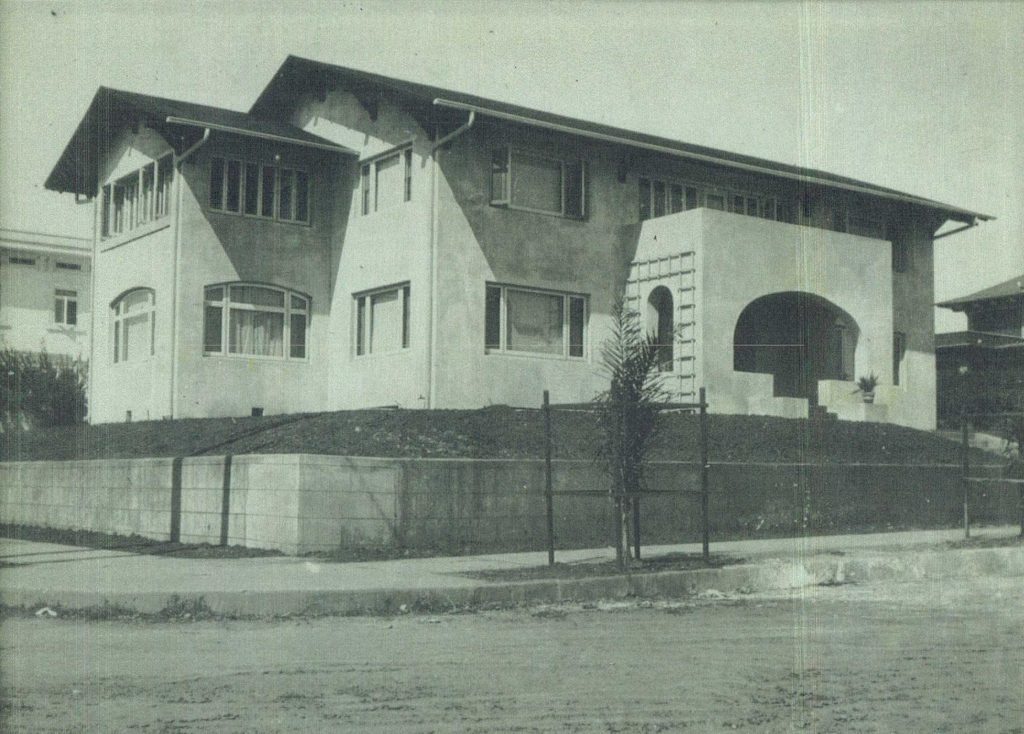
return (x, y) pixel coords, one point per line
(134, 325)
(382, 320)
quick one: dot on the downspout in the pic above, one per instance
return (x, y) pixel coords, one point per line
(435, 152)
(179, 186)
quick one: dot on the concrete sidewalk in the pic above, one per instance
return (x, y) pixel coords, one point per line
(39, 574)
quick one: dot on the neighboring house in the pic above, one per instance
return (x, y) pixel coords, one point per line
(981, 370)
(45, 282)
(357, 240)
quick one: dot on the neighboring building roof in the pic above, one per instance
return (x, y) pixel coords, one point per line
(1014, 287)
(76, 169)
(300, 76)
(978, 339)
(42, 242)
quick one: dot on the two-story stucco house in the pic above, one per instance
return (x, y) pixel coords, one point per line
(356, 240)
(45, 283)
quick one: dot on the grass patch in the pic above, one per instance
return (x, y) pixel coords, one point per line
(129, 543)
(594, 569)
(495, 432)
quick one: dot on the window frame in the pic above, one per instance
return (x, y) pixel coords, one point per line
(362, 320)
(151, 184)
(369, 172)
(503, 199)
(287, 309)
(767, 206)
(567, 298)
(120, 352)
(279, 169)
(62, 299)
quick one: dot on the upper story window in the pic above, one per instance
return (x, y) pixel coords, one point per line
(255, 320)
(659, 197)
(382, 320)
(65, 307)
(15, 260)
(258, 190)
(386, 181)
(535, 321)
(538, 183)
(138, 198)
(134, 316)
(68, 266)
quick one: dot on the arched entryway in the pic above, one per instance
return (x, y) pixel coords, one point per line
(661, 326)
(799, 338)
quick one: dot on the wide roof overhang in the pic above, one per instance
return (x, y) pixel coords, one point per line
(181, 124)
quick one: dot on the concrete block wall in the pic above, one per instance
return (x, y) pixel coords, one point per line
(306, 503)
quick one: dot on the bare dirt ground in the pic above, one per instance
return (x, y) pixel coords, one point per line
(918, 657)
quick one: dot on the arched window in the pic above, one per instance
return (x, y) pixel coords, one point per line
(660, 324)
(134, 319)
(255, 320)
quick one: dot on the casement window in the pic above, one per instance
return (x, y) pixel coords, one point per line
(15, 260)
(134, 322)
(537, 183)
(255, 320)
(68, 266)
(386, 181)
(138, 198)
(660, 197)
(899, 351)
(535, 321)
(65, 307)
(382, 320)
(258, 190)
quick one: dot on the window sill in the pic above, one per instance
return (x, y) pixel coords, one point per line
(542, 212)
(259, 218)
(109, 243)
(256, 358)
(534, 355)
(66, 330)
(372, 355)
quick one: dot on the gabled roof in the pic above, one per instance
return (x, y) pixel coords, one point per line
(1014, 287)
(113, 109)
(299, 76)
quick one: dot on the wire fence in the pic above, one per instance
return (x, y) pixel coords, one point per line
(967, 470)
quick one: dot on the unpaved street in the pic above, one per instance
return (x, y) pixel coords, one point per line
(922, 657)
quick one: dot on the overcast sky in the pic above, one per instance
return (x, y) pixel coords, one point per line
(923, 97)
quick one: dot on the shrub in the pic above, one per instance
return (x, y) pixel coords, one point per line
(38, 390)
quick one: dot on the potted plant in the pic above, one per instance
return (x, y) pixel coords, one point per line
(866, 387)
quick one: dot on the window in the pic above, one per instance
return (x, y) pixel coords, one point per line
(659, 197)
(65, 307)
(255, 320)
(382, 320)
(899, 350)
(136, 199)
(271, 192)
(134, 324)
(386, 181)
(521, 180)
(534, 321)
(15, 260)
(68, 266)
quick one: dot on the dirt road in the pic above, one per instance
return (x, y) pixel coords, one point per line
(909, 657)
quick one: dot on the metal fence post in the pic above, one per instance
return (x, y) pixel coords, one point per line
(965, 459)
(704, 490)
(548, 492)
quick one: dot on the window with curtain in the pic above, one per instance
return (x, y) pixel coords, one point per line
(134, 322)
(534, 321)
(255, 320)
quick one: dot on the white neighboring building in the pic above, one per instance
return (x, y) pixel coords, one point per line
(45, 293)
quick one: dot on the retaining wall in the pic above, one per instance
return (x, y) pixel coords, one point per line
(301, 503)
